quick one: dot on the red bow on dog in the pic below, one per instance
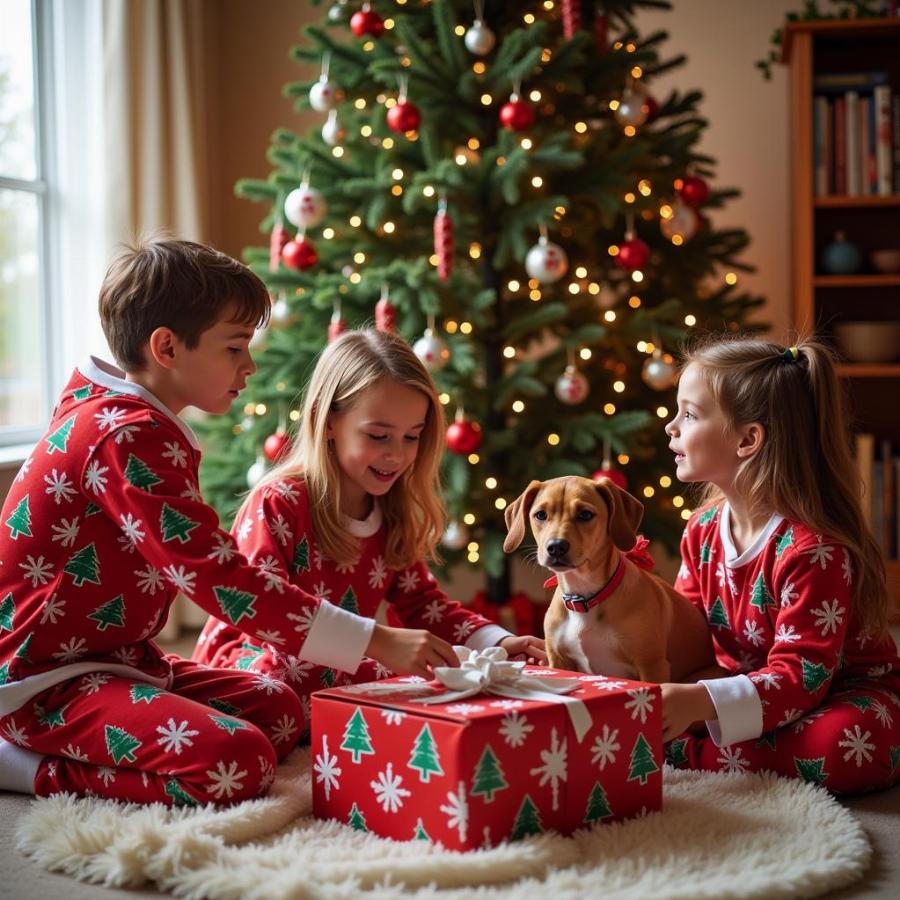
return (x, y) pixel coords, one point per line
(638, 554)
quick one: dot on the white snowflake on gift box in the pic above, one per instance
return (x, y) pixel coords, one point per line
(36, 570)
(106, 774)
(434, 612)
(767, 680)
(605, 747)
(515, 729)
(176, 454)
(60, 486)
(393, 716)
(150, 580)
(857, 744)
(378, 573)
(176, 737)
(609, 685)
(732, 760)
(753, 632)
(327, 770)
(462, 630)
(640, 704)
(554, 768)
(382, 671)
(92, 682)
(225, 781)
(409, 580)
(464, 709)
(829, 617)
(181, 579)
(224, 549)
(66, 532)
(388, 791)
(457, 811)
(303, 619)
(786, 634)
(507, 704)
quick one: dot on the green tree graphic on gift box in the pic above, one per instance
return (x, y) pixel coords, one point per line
(488, 776)
(642, 762)
(598, 805)
(528, 821)
(356, 736)
(425, 759)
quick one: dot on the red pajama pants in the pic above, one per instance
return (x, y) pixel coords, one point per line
(214, 737)
(303, 677)
(849, 744)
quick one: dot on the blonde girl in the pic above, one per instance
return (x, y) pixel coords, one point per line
(780, 559)
(350, 515)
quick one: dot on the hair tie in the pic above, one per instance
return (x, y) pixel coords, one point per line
(791, 354)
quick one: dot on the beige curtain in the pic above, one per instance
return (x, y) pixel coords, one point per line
(157, 113)
(158, 118)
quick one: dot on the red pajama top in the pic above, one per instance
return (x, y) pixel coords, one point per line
(275, 532)
(104, 524)
(780, 615)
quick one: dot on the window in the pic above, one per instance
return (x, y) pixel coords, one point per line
(25, 335)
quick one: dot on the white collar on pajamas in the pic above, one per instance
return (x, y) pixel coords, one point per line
(364, 527)
(112, 377)
(732, 558)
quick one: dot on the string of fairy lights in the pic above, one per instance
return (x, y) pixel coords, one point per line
(678, 222)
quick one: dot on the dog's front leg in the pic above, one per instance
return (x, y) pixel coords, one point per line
(554, 619)
(656, 670)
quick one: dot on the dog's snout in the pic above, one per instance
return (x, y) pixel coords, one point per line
(557, 547)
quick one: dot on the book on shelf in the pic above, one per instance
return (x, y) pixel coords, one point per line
(856, 135)
(879, 474)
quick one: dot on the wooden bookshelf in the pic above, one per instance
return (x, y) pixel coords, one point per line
(871, 222)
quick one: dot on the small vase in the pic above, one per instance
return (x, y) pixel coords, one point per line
(840, 257)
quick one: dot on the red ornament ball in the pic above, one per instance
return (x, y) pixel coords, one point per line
(693, 190)
(463, 437)
(633, 254)
(652, 107)
(367, 22)
(516, 115)
(336, 327)
(614, 475)
(404, 116)
(299, 254)
(385, 315)
(276, 444)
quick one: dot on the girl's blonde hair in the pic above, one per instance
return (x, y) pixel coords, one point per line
(804, 469)
(413, 513)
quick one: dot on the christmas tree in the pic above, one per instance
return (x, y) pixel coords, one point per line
(510, 196)
(19, 522)
(425, 759)
(120, 744)
(110, 613)
(59, 440)
(138, 473)
(235, 604)
(356, 736)
(175, 525)
(84, 566)
(348, 601)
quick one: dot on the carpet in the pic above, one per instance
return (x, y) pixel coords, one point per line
(719, 835)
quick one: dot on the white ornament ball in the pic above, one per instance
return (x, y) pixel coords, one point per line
(547, 262)
(659, 372)
(333, 133)
(571, 387)
(456, 536)
(259, 337)
(683, 222)
(433, 352)
(480, 39)
(305, 207)
(632, 109)
(337, 11)
(255, 472)
(281, 312)
(325, 95)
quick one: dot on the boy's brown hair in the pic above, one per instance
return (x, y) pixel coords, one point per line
(161, 282)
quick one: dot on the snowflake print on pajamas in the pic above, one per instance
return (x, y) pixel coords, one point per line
(752, 632)
(857, 744)
(265, 682)
(378, 573)
(409, 580)
(175, 453)
(292, 669)
(327, 770)
(821, 554)
(132, 531)
(224, 549)
(788, 595)
(95, 478)
(388, 791)
(303, 619)
(281, 530)
(174, 737)
(225, 781)
(767, 680)
(829, 617)
(60, 486)
(284, 729)
(732, 759)
(92, 682)
(786, 634)
(16, 735)
(462, 631)
(53, 610)
(150, 580)
(36, 570)
(126, 434)
(66, 532)
(434, 612)
(108, 417)
(71, 650)
(287, 490)
(106, 774)
(181, 578)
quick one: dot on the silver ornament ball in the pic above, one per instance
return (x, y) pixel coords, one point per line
(659, 372)
(281, 312)
(456, 536)
(479, 39)
(433, 352)
(333, 133)
(632, 108)
(683, 222)
(305, 207)
(546, 262)
(571, 387)
(325, 95)
(255, 472)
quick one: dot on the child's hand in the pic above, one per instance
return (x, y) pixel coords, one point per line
(684, 704)
(527, 646)
(410, 651)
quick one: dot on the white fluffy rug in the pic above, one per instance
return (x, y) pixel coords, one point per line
(720, 835)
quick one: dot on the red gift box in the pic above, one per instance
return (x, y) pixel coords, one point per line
(472, 773)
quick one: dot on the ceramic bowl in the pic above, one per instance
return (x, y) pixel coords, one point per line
(887, 261)
(868, 342)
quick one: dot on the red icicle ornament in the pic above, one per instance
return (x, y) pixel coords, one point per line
(277, 240)
(601, 34)
(571, 17)
(385, 313)
(443, 241)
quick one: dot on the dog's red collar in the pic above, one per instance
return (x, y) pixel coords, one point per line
(638, 554)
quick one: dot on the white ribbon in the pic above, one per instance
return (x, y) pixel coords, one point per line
(488, 671)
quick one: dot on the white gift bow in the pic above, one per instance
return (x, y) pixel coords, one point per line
(488, 671)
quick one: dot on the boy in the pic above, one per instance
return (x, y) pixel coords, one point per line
(105, 524)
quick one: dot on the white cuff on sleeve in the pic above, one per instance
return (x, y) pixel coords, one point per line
(487, 636)
(738, 707)
(337, 638)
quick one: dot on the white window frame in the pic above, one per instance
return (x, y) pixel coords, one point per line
(16, 441)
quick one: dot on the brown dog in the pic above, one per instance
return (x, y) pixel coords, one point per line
(620, 620)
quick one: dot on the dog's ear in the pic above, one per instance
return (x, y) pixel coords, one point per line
(517, 516)
(625, 513)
